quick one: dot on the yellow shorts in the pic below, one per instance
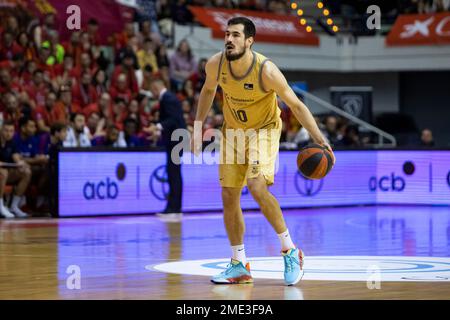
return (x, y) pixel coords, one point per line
(248, 153)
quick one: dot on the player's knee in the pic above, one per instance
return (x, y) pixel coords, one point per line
(230, 196)
(256, 187)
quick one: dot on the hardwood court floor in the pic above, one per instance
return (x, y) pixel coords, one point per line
(112, 254)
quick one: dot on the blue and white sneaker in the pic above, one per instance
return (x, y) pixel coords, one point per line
(293, 266)
(235, 273)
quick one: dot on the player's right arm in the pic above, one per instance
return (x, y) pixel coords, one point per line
(205, 100)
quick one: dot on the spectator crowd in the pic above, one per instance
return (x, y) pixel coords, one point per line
(77, 93)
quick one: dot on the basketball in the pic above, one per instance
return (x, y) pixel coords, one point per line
(314, 161)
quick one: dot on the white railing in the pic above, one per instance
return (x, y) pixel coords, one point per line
(381, 134)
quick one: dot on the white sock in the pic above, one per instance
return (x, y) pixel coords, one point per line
(239, 253)
(15, 207)
(15, 201)
(4, 211)
(285, 240)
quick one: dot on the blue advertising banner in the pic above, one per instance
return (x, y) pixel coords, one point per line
(133, 182)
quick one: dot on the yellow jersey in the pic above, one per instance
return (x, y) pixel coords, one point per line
(246, 104)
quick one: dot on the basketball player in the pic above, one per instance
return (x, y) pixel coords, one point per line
(250, 84)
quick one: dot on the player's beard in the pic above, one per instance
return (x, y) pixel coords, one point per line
(235, 56)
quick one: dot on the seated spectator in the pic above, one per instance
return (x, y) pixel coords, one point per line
(291, 127)
(120, 89)
(342, 124)
(77, 133)
(331, 131)
(426, 138)
(145, 116)
(145, 78)
(103, 106)
(15, 67)
(133, 110)
(146, 56)
(163, 64)
(100, 82)
(65, 102)
(161, 57)
(351, 137)
(85, 65)
(38, 88)
(27, 145)
(56, 49)
(9, 47)
(49, 143)
(127, 66)
(113, 138)
(49, 113)
(187, 92)
(7, 84)
(13, 171)
(182, 64)
(84, 92)
(47, 69)
(26, 76)
(130, 129)
(198, 78)
(88, 47)
(65, 73)
(12, 25)
(12, 111)
(121, 39)
(95, 124)
(45, 60)
(73, 48)
(132, 47)
(104, 62)
(146, 32)
(118, 112)
(165, 21)
(41, 31)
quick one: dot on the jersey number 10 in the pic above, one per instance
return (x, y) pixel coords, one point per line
(240, 115)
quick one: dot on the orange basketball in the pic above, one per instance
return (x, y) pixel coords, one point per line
(314, 161)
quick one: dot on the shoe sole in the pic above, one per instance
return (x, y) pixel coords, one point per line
(234, 281)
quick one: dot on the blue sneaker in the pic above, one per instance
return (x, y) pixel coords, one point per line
(293, 266)
(235, 273)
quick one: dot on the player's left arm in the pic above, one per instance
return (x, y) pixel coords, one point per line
(273, 79)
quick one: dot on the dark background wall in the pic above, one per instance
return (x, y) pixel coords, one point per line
(385, 86)
(426, 97)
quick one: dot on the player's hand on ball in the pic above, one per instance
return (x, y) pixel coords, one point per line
(328, 147)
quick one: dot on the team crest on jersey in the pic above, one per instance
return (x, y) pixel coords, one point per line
(248, 86)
